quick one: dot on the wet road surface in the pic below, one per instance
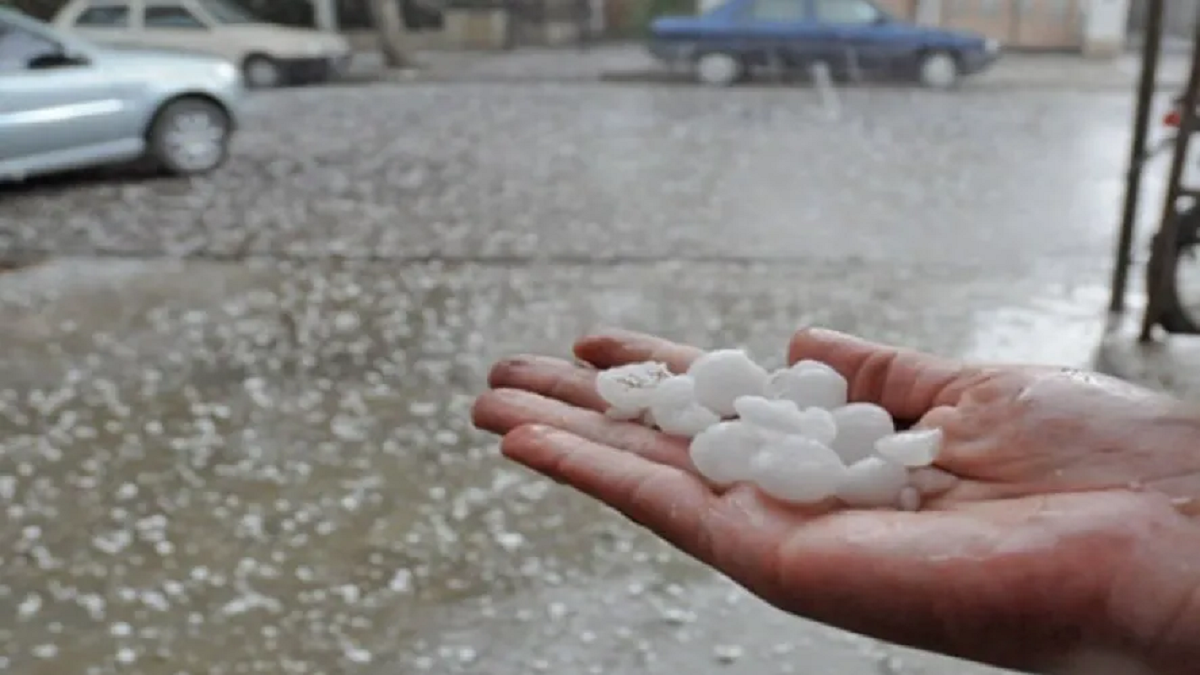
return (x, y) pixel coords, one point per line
(265, 465)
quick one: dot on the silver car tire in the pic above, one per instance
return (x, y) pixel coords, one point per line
(190, 136)
(938, 70)
(261, 72)
(718, 69)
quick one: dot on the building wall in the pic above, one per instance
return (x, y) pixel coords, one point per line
(1094, 27)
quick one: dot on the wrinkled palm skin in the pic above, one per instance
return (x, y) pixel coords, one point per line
(1055, 534)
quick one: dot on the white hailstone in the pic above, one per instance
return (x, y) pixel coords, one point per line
(780, 416)
(859, 426)
(673, 393)
(722, 453)
(910, 499)
(725, 374)
(675, 410)
(916, 448)
(629, 387)
(686, 422)
(809, 386)
(819, 425)
(798, 470)
(872, 482)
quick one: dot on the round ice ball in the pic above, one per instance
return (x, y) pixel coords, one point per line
(780, 416)
(797, 470)
(677, 392)
(859, 426)
(915, 448)
(819, 425)
(687, 421)
(725, 374)
(809, 387)
(722, 452)
(629, 387)
(872, 482)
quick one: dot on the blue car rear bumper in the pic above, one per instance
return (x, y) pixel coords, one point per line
(977, 61)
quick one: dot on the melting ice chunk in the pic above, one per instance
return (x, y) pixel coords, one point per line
(778, 416)
(675, 410)
(724, 375)
(677, 392)
(809, 386)
(629, 387)
(686, 422)
(915, 448)
(722, 452)
(797, 469)
(859, 425)
(872, 482)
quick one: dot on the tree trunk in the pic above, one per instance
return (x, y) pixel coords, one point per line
(393, 34)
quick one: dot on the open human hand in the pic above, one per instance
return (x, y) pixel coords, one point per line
(1051, 539)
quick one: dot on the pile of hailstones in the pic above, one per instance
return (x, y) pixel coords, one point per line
(791, 432)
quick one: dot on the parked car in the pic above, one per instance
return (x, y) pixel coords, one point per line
(268, 54)
(729, 41)
(67, 104)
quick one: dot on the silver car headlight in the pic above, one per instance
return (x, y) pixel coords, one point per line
(991, 45)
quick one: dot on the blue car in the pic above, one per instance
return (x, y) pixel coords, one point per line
(726, 43)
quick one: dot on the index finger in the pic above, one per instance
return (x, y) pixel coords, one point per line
(906, 382)
(617, 347)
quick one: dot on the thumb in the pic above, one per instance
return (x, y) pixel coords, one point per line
(907, 383)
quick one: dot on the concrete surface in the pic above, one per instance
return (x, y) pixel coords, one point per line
(258, 460)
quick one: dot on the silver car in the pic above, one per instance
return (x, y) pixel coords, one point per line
(67, 104)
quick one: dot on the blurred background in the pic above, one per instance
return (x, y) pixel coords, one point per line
(256, 257)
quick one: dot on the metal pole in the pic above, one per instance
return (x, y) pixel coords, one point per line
(1166, 241)
(1152, 38)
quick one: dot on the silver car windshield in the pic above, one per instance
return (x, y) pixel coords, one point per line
(228, 11)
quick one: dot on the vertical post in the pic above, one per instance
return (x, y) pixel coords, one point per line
(325, 15)
(1137, 149)
(1166, 242)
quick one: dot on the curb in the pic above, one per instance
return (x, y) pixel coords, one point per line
(650, 77)
(1171, 364)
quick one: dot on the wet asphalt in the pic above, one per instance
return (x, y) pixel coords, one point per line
(258, 459)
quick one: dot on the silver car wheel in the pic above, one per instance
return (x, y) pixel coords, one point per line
(194, 140)
(939, 71)
(720, 70)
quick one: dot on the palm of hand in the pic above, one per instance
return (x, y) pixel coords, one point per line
(1019, 561)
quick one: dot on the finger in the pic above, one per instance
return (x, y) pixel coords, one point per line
(617, 347)
(502, 410)
(670, 502)
(550, 377)
(905, 382)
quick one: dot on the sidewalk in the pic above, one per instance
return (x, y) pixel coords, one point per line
(630, 63)
(1171, 364)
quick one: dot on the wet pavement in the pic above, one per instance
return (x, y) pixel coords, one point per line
(259, 460)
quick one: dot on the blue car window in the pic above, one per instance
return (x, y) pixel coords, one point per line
(853, 12)
(777, 10)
